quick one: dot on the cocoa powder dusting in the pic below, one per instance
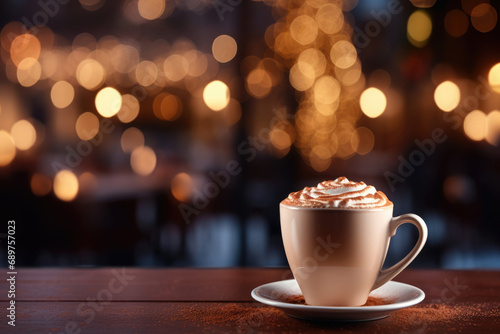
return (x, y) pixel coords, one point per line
(451, 315)
(245, 317)
(248, 317)
(372, 301)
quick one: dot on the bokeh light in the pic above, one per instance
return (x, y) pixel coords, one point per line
(493, 127)
(484, 17)
(216, 95)
(40, 184)
(182, 187)
(258, 83)
(447, 96)
(87, 126)
(423, 3)
(62, 94)
(146, 73)
(66, 185)
(176, 67)
(320, 158)
(24, 134)
(7, 148)
(302, 77)
(343, 54)
(131, 139)
(151, 9)
(29, 72)
(329, 18)
(280, 139)
(456, 23)
(129, 109)
(108, 102)
(124, 58)
(232, 113)
(362, 140)
(419, 28)
(494, 77)
(143, 160)
(24, 46)
(90, 74)
(373, 102)
(304, 29)
(92, 5)
(224, 48)
(475, 125)
(197, 63)
(326, 90)
(469, 5)
(312, 58)
(170, 107)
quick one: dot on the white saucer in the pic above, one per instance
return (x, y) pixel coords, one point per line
(402, 295)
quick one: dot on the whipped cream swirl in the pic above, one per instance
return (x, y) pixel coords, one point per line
(340, 193)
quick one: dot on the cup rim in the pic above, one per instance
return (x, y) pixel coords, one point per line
(293, 207)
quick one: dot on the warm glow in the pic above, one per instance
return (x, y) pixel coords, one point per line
(224, 48)
(216, 95)
(493, 127)
(87, 126)
(320, 158)
(456, 23)
(362, 140)
(170, 107)
(343, 54)
(124, 58)
(131, 139)
(326, 90)
(108, 102)
(475, 125)
(280, 139)
(349, 76)
(129, 110)
(65, 185)
(40, 184)
(312, 58)
(304, 29)
(146, 73)
(90, 74)
(182, 187)
(494, 77)
(24, 134)
(62, 94)
(29, 72)
(87, 181)
(419, 28)
(423, 3)
(176, 67)
(151, 9)
(7, 148)
(447, 96)
(232, 113)
(197, 63)
(258, 83)
(24, 46)
(143, 160)
(330, 18)
(484, 17)
(302, 76)
(373, 102)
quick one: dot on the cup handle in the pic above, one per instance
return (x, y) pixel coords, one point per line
(386, 275)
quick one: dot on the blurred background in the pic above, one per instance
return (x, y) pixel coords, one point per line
(166, 132)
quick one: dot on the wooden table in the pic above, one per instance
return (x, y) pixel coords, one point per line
(136, 300)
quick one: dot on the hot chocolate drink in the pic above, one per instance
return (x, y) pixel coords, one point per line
(336, 237)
